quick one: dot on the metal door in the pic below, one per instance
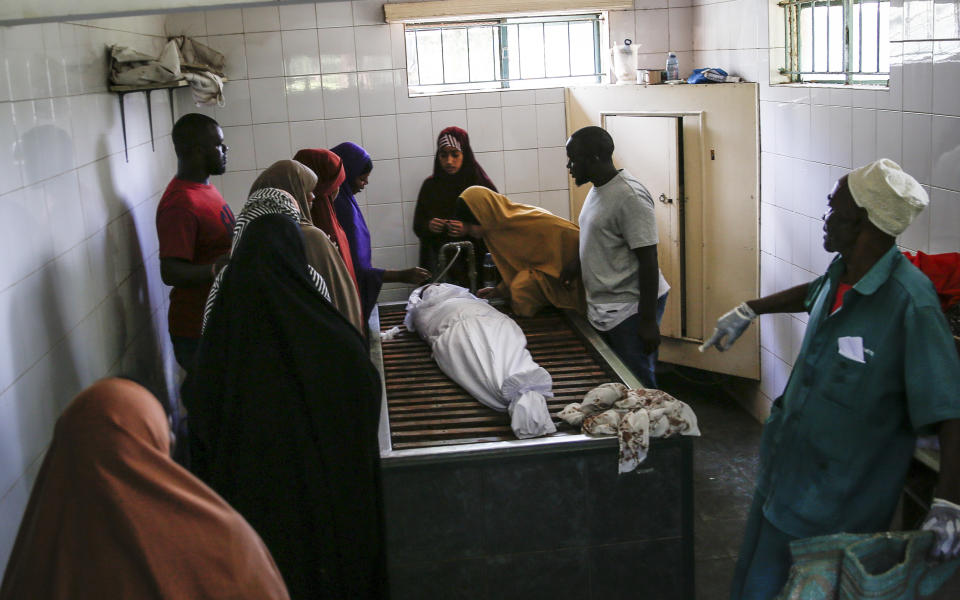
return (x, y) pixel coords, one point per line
(650, 148)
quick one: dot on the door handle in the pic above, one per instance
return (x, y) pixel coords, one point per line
(665, 200)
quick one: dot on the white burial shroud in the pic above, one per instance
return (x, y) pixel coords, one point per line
(484, 351)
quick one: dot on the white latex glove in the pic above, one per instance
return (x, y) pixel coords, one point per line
(731, 326)
(944, 521)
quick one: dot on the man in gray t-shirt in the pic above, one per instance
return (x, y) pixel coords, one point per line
(626, 292)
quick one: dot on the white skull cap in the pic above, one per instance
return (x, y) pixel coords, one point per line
(891, 197)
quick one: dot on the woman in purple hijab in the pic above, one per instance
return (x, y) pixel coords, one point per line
(358, 165)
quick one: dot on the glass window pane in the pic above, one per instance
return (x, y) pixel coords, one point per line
(806, 38)
(430, 55)
(413, 65)
(557, 49)
(512, 55)
(482, 53)
(531, 51)
(884, 51)
(456, 63)
(835, 48)
(582, 48)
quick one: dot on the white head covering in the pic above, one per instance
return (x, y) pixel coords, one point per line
(891, 197)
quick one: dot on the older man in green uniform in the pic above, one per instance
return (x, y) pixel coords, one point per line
(877, 367)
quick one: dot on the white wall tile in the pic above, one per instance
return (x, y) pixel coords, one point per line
(864, 123)
(272, 143)
(236, 109)
(412, 135)
(946, 76)
(241, 156)
(484, 100)
(10, 177)
(224, 21)
(268, 102)
(376, 93)
(485, 126)
(840, 144)
(521, 171)
(343, 130)
(918, 76)
(380, 136)
(233, 47)
(261, 18)
(551, 125)
(304, 98)
(374, 49)
(681, 28)
(557, 202)
(448, 118)
(337, 51)
(519, 127)
(493, 164)
(367, 12)
(298, 16)
(647, 4)
(334, 14)
(386, 224)
(340, 95)
(946, 153)
(301, 55)
(653, 31)
(890, 135)
(550, 96)
(917, 145)
(384, 186)
(518, 97)
(406, 104)
(412, 173)
(64, 210)
(190, 24)
(264, 53)
(308, 134)
(448, 102)
(622, 26)
(236, 187)
(553, 168)
(944, 217)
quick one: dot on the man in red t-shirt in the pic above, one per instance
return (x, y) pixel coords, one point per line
(194, 226)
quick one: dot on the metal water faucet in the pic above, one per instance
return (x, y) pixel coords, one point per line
(458, 248)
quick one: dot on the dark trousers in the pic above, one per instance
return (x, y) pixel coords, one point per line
(185, 351)
(764, 562)
(626, 343)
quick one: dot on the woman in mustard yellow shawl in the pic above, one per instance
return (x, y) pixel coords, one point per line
(530, 247)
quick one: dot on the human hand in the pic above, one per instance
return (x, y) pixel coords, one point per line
(218, 265)
(488, 293)
(437, 225)
(415, 276)
(649, 334)
(731, 325)
(944, 521)
(455, 228)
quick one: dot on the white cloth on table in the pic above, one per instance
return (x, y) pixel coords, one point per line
(634, 416)
(485, 352)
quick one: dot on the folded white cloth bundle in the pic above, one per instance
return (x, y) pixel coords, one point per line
(484, 351)
(634, 416)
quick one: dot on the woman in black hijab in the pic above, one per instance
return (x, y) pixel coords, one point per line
(284, 405)
(455, 168)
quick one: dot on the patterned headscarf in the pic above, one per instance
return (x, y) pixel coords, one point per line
(266, 201)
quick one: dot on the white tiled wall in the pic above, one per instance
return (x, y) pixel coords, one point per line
(80, 289)
(656, 28)
(307, 76)
(810, 136)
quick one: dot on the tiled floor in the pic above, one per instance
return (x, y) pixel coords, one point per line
(725, 462)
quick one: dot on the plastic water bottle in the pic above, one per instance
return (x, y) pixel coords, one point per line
(489, 271)
(673, 67)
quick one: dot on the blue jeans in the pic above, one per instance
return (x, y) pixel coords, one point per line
(626, 343)
(764, 562)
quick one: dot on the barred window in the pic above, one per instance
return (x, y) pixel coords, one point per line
(837, 41)
(515, 53)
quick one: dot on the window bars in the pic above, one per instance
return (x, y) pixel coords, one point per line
(837, 41)
(491, 54)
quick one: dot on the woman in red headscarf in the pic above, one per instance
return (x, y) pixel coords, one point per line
(454, 169)
(330, 175)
